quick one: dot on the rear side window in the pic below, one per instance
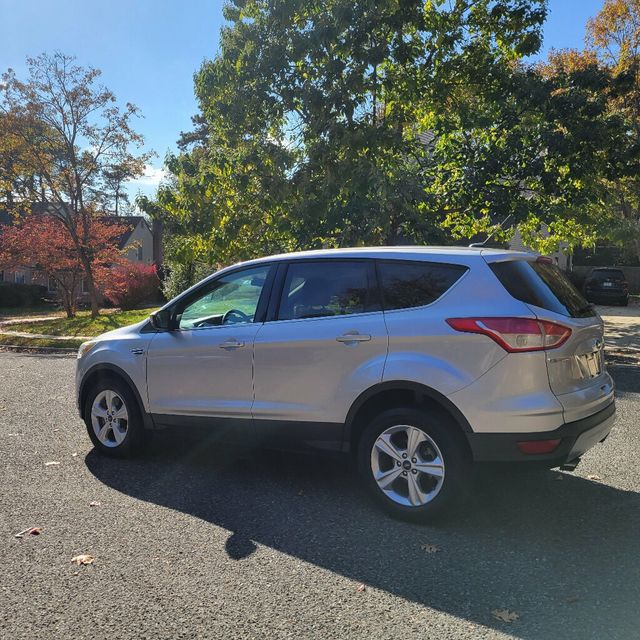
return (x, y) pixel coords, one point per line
(542, 284)
(415, 284)
(329, 288)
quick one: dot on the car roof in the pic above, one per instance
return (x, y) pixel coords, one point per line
(437, 253)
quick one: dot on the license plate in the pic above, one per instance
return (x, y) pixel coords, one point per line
(591, 364)
(607, 284)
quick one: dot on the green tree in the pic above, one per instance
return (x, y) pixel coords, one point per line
(317, 120)
(346, 123)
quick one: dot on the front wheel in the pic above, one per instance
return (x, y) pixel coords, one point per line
(113, 419)
(413, 463)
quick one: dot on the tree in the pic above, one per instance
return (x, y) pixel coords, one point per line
(612, 53)
(72, 135)
(314, 118)
(45, 243)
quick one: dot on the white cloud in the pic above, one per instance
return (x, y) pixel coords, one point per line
(151, 177)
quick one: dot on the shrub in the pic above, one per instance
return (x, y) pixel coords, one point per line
(129, 285)
(21, 295)
(180, 276)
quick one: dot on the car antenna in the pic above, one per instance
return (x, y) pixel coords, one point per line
(481, 244)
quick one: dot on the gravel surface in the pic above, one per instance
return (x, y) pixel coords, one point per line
(197, 540)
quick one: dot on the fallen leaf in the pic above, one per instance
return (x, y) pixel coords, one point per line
(430, 548)
(74, 454)
(504, 615)
(593, 476)
(94, 503)
(53, 463)
(83, 558)
(31, 531)
(361, 588)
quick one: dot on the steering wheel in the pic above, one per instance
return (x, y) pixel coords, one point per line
(241, 315)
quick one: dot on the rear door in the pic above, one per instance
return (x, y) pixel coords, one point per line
(577, 372)
(325, 344)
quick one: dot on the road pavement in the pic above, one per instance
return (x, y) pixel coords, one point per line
(199, 540)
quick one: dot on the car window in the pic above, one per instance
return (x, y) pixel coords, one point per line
(414, 284)
(230, 299)
(327, 288)
(542, 284)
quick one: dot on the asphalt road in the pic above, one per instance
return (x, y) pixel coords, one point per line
(198, 541)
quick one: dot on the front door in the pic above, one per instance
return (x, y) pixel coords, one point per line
(203, 368)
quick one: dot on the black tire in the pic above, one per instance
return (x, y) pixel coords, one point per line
(135, 433)
(457, 462)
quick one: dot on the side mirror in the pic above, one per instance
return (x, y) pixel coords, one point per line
(161, 320)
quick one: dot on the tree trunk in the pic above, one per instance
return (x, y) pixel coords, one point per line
(90, 283)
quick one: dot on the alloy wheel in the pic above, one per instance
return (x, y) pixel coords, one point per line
(109, 418)
(407, 465)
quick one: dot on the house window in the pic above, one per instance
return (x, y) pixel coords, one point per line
(139, 253)
(52, 286)
(20, 276)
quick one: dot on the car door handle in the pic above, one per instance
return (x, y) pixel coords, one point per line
(231, 344)
(137, 351)
(354, 337)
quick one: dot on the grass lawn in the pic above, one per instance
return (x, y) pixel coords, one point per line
(15, 313)
(37, 343)
(82, 325)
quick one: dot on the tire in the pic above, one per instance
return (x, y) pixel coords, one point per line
(438, 440)
(124, 434)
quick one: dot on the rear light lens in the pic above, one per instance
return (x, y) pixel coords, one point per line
(515, 335)
(537, 447)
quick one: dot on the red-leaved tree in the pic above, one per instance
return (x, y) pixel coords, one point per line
(44, 243)
(131, 283)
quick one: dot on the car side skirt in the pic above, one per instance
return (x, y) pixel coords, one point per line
(277, 434)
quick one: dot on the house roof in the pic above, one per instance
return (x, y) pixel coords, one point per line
(131, 222)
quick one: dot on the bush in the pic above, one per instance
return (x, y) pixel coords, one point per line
(180, 276)
(21, 295)
(130, 285)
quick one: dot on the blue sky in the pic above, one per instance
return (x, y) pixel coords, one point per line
(148, 50)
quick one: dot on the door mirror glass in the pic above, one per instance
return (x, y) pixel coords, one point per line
(161, 320)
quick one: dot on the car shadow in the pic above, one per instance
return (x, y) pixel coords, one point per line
(564, 553)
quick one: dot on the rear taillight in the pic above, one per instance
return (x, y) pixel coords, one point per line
(537, 447)
(515, 334)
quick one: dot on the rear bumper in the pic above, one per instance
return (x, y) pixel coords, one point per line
(606, 294)
(575, 439)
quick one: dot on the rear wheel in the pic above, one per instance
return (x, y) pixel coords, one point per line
(113, 419)
(413, 463)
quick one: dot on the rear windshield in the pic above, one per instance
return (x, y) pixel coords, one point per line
(542, 284)
(606, 274)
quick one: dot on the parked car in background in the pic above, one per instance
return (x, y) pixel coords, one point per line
(606, 285)
(420, 361)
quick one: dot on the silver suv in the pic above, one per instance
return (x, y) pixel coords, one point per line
(419, 360)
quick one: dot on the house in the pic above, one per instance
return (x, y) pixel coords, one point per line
(137, 243)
